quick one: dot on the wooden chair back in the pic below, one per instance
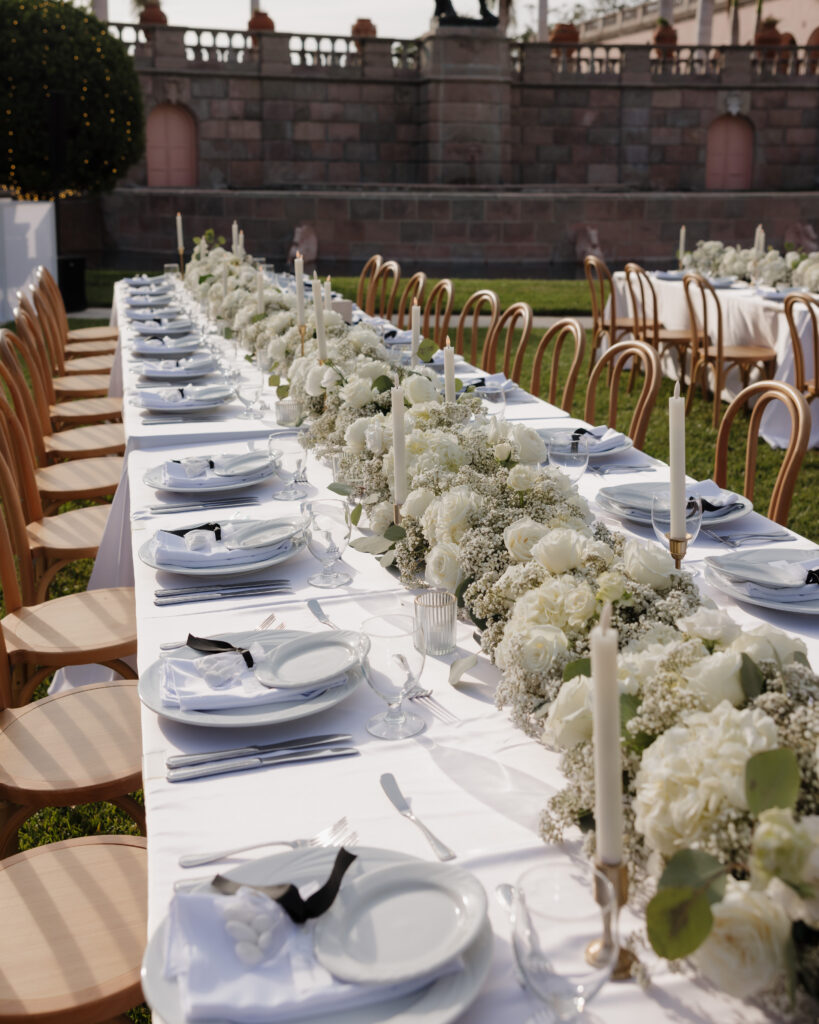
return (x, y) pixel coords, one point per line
(15, 555)
(518, 317)
(766, 391)
(616, 358)
(438, 310)
(52, 290)
(792, 304)
(599, 279)
(413, 289)
(560, 333)
(474, 305)
(16, 448)
(381, 299)
(21, 398)
(643, 302)
(50, 331)
(33, 349)
(704, 315)
(366, 278)
(14, 350)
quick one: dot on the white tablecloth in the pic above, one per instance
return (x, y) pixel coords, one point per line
(747, 319)
(479, 783)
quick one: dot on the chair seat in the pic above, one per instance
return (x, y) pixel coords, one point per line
(84, 385)
(93, 740)
(75, 917)
(623, 323)
(743, 353)
(82, 478)
(88, 628)
(83, 411)
(85, 442)
(74, 534)
(671, 335)
(101, 333)
(90, 348)
(99, 363)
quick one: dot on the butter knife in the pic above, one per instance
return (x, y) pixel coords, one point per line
(397, 799)
(218, 595)
(306, 742)
(243, 764)
(320, 613)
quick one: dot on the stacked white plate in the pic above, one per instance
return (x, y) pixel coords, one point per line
(632, 502)
(160, 326)
(191, 398)
(200, 364)
(228, 473)
(767, 579)
(166, 347)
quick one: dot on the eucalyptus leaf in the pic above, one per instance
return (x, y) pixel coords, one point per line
(355, 515)
(339, 488)
(282, 391)
(382, 384)
(426, 350)
(629, 706)
(257, 317)
(371, 545)
(678, 921)
(274, 380)
(459, 667)
(459, 384)
(772, 780)
(580, 667)
(461, 589)
(750, 677)
(395, 532)
(228, 333)
(205, 277)
(387, 558)
(695, 869)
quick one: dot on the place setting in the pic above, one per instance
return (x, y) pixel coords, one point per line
(643, 502)
(787, 581)
(212, 474)
(185, 368)
(193, 398)
(605, 450)
(162, 344)
(161, 326)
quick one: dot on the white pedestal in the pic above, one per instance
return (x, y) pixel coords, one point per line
(28, 237)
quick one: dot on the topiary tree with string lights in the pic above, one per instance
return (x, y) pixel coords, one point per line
(71, 117)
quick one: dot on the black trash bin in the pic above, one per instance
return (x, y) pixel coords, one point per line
(71, 279)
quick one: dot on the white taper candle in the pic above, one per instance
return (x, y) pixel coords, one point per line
(180, 240)
(260, 291)
(608, 772)
(415, 323)
(298, 270)
(676, 462)
(399, 447)
(234, 236)
(319, 308)
(681, 246)
(328, 294)
(449, 372)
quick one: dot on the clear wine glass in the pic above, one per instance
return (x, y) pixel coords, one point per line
(557, 910)
(493, 398)
(661, 516)
(291, 451)
(393, 650)
(568, 453)
(248, 394)
(328, 533)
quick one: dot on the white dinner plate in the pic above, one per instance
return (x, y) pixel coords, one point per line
(309, 660)
(440, 1002)
(778, 294)
(721, 282)
(151, 372)
(157, 313)
(642, 516)
(159, 330)
(184, 346)
(223, 570)
(725, 572)
(670, 275)
(153, 478)
(150, 691)
(399, 923)
(622, 446)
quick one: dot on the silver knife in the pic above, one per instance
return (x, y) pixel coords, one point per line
(218, 595)
(205, 588)
(325, 740)
(320, 614)
(201, 506)
(243, 764)
(396, 797)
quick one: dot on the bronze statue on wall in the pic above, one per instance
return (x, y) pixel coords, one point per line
(447, 15)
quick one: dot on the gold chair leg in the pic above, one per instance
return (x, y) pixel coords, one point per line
(12, 816)
(134, 810)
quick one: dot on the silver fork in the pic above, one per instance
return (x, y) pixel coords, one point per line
(746, 538)
(174, 645)
(337, 834)
(435, 708)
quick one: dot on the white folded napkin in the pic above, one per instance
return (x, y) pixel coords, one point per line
(200, 549)
(289, 985)
(780, 595)
(221, 681)
(162, 326)
(198, 472)
(785, 581)
(600, 439)
(395, 337)
(156, 311)
(636, 498)
(168, 344)
(190, 395)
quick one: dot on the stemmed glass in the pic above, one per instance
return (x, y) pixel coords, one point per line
(661, 517)
(328, 532)
(569, 453)
(557, 910)
(393, 650)
(248, 394)
(291, 452)
(493, 398)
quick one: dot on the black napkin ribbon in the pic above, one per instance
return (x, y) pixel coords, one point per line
(205, 645)
(288, 896)
(731, 506)
(211, 465)
(181, 391)
(813, 576)
(214, 527)
(577, 433)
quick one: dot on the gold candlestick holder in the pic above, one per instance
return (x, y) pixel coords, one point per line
(598, 952)
(396, 514)
(678, 547)
(302, 332)
(181, 252)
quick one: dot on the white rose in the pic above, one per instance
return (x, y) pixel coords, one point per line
(709, 623)
(569, 721)
(448, 516)
(541, 645)
(330, 378)
(781, 846)
(417, 502)
(370, 369)
(355, 436)
(559, 550)
(522, 478)
(766, 642)
(520, 537)
(502, 451)
(529, 445)
(357, 393)
(375, 439)
(419, 389)
(744, 953)
(598, 550)
(611, 585)
(580, 605)
(716, 678)
(380, 516)
(313, 382)
(649, 564)
(442, 568)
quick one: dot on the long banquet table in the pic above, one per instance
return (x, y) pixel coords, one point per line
(476, 780)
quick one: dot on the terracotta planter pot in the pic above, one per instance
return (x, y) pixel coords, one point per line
(261, 22)
(152, 14)
(813, 50)
(665, 41)
(566, 37)
(766, 40)
(363, 29)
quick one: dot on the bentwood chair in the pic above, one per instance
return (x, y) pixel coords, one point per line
(437, 312)
(766, 391)
(63, 363)
(96, 627)
(53, 414)
(80, 341)
(65, 386)
(708, 347)
(565, 331)
(482, 302)
(413, 291)
(647, 325)
(76, 443)
(75, 915)
(366, 280)
(518, 317)
(809, 388)
(384, 289)
(611, 326)
(617, 358)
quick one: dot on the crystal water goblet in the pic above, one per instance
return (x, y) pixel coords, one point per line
(328, 533)
(661, 517)
(248, 394)
(493, 399)
(290, 449)
(393, 651)
(568, 453)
